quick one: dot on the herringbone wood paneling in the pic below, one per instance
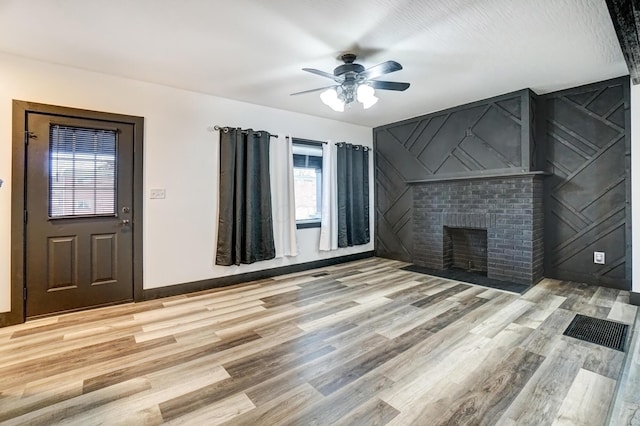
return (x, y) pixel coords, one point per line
(466, 140)
(587, 142)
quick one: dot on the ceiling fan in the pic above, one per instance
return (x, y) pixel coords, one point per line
(354, 82)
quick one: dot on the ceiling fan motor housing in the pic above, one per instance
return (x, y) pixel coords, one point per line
(349, 69)
(345, 69)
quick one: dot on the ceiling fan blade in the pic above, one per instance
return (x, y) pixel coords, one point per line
(388, 85)
(380, 69)
(324, 74)
(312, 90)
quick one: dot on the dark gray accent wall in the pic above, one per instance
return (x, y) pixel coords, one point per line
(587, 195)
(580, 137)
(486, 137)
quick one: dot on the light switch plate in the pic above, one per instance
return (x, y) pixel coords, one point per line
(157, 194)
(598, 257)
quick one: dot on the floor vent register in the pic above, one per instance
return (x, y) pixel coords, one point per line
(601, 332)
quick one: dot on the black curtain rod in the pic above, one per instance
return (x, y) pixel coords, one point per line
(357, 147)
(312, 142)
(226, 130)
(309, 141)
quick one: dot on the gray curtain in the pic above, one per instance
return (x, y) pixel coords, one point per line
(353, 194)
(245, 224)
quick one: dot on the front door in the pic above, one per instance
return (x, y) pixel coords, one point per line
(79, 195)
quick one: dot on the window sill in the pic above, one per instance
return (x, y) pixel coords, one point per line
(306, 225)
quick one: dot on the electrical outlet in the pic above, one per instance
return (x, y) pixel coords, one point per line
(157, 194)
(598, 257)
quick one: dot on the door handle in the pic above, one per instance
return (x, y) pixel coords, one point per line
(125, 222)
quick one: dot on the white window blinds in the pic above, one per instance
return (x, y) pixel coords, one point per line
(82, 180)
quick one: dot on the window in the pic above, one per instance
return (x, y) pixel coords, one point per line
(82, 178)
(307, 178)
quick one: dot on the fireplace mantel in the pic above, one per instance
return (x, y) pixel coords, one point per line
(493, 175)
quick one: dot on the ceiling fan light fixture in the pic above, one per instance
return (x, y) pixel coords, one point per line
(338, 106)
(330, 98)
(369, 102)
(352, 82)
(366, 96)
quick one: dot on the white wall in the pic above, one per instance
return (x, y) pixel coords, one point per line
(635, 187)
(181, 156)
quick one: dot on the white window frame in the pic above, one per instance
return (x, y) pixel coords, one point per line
(312, 149)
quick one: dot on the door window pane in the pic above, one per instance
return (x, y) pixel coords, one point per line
(82, 180)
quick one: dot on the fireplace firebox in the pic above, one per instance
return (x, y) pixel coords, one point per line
(466, 249)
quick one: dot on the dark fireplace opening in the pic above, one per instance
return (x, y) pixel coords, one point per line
(465, 249)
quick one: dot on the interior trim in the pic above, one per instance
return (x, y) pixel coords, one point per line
(307, 225)
(191, 287)
(625, 17)
(479, 176)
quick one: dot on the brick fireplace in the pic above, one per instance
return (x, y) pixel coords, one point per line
(508, 208)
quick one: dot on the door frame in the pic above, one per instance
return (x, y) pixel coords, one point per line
(21, 109)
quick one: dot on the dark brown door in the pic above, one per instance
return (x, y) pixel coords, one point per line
(79, 194)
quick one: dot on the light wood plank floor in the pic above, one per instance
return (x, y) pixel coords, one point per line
(362, 343)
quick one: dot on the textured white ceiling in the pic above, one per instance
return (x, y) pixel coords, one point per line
(453, 51)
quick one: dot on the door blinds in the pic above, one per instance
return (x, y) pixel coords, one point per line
(82, 167)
